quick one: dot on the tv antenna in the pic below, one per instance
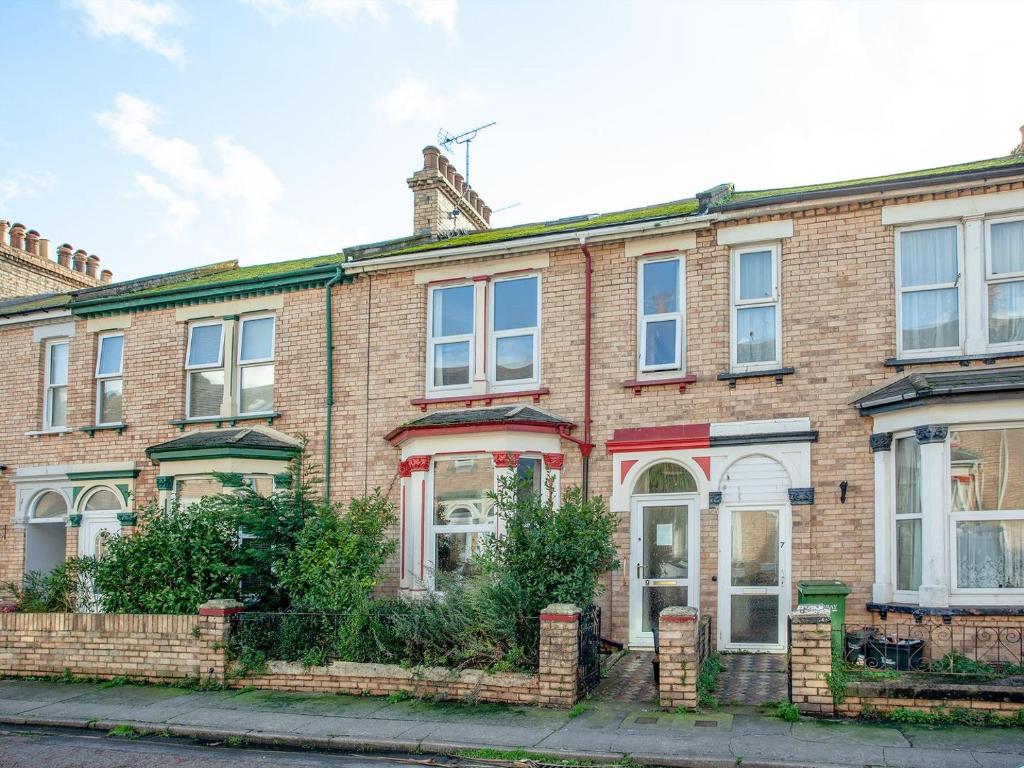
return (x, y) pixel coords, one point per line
(448, 141)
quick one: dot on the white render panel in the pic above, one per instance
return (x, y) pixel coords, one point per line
(766, 426)
(755, 233)
(755, 479)
(994, 411)
(54, 331)
(681, 241)
(467, 271)
(936, 210)
(237, 307)
(112, 323)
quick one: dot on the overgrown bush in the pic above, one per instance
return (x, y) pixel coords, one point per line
(66, 589)
(338, 555)
(179, 559)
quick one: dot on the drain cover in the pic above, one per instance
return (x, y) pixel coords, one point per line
(706, 724)
(646, 720)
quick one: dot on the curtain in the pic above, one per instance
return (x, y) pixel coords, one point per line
(1006, 312)
(908, 476)
(756, 275)
(931, 319)
(1007, 248)
(981, 559)
(928, 257)
(908, 554)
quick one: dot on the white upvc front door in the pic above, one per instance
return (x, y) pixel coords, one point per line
(93, 525)
(754, 594)
(664, 560)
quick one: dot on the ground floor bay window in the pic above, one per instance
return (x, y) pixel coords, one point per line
(949, 504)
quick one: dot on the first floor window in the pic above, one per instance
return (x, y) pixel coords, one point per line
(463, 513)
(515, 325)
(55, 404)
(450, 346)
(256, 365)
(1005, 276)
(109, 384)
(987, 492)
(929, 289)
(908, 514)
(755, 311)
(205, 366)
(661, 329)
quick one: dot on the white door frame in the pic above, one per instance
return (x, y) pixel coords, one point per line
(637, 637)
(87, 533)
(726, 590)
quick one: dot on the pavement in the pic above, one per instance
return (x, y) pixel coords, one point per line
(601, 731)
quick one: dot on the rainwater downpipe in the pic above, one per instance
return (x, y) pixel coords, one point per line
(585, 445)
(329, 330)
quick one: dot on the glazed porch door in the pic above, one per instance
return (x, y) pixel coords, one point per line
(754, 598)
(663, 561)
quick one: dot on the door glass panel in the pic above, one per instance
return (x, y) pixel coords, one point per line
(755, 549)
(665, 557)
(755, 619)
(656, 599)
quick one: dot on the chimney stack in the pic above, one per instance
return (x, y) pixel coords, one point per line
(443, 204)
(18, 236)
(91, 264)
(79, 260)
(105, 276)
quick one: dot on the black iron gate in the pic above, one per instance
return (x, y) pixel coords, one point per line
(588, 674)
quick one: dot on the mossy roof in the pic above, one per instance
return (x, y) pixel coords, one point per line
(37, 303)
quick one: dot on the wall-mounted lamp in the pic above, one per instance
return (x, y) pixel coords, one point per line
(843, 486)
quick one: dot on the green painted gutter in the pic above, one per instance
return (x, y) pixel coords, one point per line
(329, 332)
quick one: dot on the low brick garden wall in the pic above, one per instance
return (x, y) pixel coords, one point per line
(152, 648)
(881, 697)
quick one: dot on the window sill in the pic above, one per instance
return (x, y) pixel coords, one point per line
(776, 373)
(220, 421)
(638, 385)
(486, 398)
(38, 433)
(947, 614)
(989, 358)
(94, 428)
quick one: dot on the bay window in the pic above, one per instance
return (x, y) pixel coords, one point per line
(109, 384)
(929, 283)
(205, 365)
(256, 365)
(55, 395)
(756, 320)
(450, 346)
(1005, 281)
(987, 492)
(661, 330)
(515, 330)
(907, 456)
(463, 512)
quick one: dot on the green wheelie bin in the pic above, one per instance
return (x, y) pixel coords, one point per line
(831, 593)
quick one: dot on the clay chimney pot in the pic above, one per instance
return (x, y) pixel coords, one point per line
(32, 242)
(44, 248)
(449, 173)
(442, 165)
(91, 264)
(485, 211)
(18, 236)
(79, 260)
(64, 255)
(460, 184)
(474, 198)
(106, 276)
(4, 226)
(430, 155)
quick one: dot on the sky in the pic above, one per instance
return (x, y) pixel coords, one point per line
(161, 134)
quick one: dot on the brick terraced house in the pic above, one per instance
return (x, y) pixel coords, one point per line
(766, 387)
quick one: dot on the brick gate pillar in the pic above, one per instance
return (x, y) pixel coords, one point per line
(810, 654)
(677, 657)
(559, 654)
(214, 632)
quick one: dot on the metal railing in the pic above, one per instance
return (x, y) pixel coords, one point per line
(705, 644)
(980, 650)
(588, 673)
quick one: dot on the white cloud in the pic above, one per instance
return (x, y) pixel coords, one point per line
(428, 12)
(414, 100)
(19, 185)
(242, 184)
(141, 21)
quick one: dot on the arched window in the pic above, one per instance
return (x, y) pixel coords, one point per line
(665, 477)
(103, 500)
(46, 534)
(49, 506)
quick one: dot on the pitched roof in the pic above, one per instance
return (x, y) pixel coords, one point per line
(928, 388)
(247, 441)
(505, 415)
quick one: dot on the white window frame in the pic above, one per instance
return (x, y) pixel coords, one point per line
(433, 341)
(102, 378)
(49, 387)
(493, 336)
(991, 279)
(958, 283)
(735, 304)
(901, 595)
(990, 596)
(204, 367)
(433, 529)
(240, 365)
(642, 319)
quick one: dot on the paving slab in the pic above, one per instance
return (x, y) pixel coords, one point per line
(927, 758)
(839, 732)
(995, 760)
(785, 748)
(1009, 740)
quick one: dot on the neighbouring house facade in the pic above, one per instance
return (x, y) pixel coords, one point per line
(766, 387)
(27, 269)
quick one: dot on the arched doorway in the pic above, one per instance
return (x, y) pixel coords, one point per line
(664, 551)
(99, 520)
(46, 533)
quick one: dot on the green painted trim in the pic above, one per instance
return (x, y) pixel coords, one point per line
(108, 474)
(220, 421)
(165, 482)
(186, 454)
(230, 317)
(312, 277)
(125, 490)
(74, 494)
(74, 521)
(231, 479)
(93, 429)
(127, 518)
(283, 480)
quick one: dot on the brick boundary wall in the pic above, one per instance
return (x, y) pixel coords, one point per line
(885, 697)
(810, 659)
(150, 647)
(677, 657)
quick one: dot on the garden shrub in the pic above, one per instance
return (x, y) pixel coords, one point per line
(66, 589)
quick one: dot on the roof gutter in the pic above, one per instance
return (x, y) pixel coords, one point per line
(567, 238)
(32, 317)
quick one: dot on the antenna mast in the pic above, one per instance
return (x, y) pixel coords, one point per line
(447, 141)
